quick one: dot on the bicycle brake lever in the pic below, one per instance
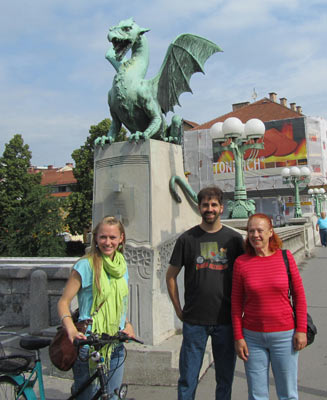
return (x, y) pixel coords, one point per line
(123, 337)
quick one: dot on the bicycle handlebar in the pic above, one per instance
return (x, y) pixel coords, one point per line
(96, 340)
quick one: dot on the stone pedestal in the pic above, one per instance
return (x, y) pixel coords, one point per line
(131, 182)
(158, 365)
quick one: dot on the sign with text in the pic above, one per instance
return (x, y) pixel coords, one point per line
(285, 146)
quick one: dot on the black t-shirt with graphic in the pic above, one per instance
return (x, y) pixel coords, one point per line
(208, 260)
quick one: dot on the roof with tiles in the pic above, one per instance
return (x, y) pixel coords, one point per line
(189, 124)
(264, 109)
(55, 176)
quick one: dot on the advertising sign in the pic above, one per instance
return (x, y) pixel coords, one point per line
(285, 146)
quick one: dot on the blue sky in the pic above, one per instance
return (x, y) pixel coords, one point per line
(54, 77)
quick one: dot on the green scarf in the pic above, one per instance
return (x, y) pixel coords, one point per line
(112, 299)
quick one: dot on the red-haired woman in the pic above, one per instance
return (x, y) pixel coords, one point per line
(265, 331)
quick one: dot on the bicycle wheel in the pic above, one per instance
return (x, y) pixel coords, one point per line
(9, 389)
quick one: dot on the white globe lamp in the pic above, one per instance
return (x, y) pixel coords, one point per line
(233, 128)
(254, 128)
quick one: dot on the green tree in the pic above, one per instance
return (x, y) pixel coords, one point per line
(14, 179)
(79, 203)
(34, 228)
(30, 218)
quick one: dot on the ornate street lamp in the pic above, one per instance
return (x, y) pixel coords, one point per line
(322, 198)
(234, 136)
(319, 197)
(314, 195)
(295, 176)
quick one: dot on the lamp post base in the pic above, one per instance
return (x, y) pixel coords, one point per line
(297, 213)
(241, 208)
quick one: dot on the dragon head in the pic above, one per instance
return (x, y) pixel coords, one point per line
(124, 35)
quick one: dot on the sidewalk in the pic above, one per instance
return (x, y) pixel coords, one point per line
(312, 362)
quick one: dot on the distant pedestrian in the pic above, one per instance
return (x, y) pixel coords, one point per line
(265, 330)
(207, 253)
(322, 227)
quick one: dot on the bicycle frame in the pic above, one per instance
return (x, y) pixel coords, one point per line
(99, 393)
(27, 384)
(26, 381)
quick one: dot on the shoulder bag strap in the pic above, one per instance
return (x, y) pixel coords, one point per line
(97, 309)
(287, 265)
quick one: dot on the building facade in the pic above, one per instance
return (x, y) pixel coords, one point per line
(60, 180)
(291, 139)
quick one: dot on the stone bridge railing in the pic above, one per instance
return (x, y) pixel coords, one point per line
(15, 285)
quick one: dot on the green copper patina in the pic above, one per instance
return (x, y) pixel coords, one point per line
(317, 205)
(186, 187)
(138, 103)
(296, 181)
(241, 206)
(297, 206)
(318, 200)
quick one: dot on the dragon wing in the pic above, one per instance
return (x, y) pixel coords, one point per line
(186, 55)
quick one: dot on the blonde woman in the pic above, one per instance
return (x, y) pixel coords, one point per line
(100, 281)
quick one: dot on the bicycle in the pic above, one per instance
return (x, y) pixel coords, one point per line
(18, 376)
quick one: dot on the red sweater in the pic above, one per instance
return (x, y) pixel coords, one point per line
(260, 295)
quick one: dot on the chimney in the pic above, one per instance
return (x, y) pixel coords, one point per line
(50, 166)
(293, 106)
(237, 106)
(283, 101)
(299, 109)
(69, 164)
(273, 97)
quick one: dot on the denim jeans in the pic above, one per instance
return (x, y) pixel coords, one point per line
(275, 348)
(195, 338)
(82, 374)
(323, 237)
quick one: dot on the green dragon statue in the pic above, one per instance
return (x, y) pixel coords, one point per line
(138, 103)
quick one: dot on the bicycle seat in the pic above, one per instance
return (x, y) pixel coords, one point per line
(34, 343)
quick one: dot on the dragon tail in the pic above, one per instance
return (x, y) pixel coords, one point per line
(187, 189)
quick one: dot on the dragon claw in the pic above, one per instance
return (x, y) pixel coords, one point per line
(103, 140)
(172, 139)
(135, 137)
